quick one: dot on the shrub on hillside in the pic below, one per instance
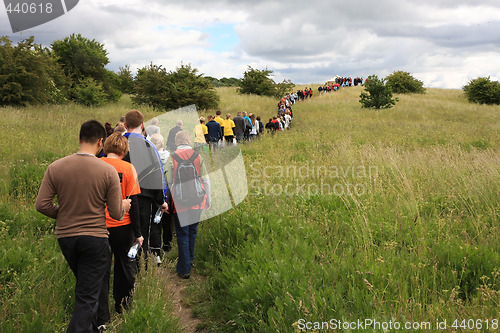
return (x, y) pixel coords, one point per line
(89, 93)
(126, 80)
(259, 82)
(164, 90)
(29, 74)
(224, 82)
(377, 94)
(83, 59)
(483, 91)
(404, 83)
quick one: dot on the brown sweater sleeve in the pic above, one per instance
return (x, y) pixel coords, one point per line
(114, 198)
(45, 199)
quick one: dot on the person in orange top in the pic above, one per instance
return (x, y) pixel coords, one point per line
(122, 234)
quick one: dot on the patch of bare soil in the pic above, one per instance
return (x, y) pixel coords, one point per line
(176, 287)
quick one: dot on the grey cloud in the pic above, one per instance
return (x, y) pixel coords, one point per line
(452, 35)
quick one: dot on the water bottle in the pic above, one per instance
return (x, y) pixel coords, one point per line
(132, 253)
(158, 216)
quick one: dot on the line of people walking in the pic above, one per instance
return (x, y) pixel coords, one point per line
(118, 193)
(124, 193)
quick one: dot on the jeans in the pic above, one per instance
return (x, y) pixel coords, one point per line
(186, 238)
(214, 145)
(198, 146)
(89, 258)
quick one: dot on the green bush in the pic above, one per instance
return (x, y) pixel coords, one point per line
(126, 80)
(224, 82)
(404, 83)
(258, 82)
(483, 91)
(29, 74)
(164, 90)
(89, 93)
(83, 60)
(377, 94)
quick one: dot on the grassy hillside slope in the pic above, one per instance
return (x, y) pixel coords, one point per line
(352, 214)
(355, 214)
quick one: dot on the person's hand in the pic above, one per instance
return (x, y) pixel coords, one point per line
(164, 207)
(140, 240)
(126, 204)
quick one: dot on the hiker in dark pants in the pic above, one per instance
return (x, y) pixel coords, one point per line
(83, 185)
(239, 129)
(149, 198)
(215, 133)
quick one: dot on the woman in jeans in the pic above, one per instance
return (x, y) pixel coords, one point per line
(186, 216)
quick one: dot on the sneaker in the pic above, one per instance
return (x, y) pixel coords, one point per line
(158, 260)
(183, 276)
(101, 328)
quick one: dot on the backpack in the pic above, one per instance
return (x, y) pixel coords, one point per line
(187, 190)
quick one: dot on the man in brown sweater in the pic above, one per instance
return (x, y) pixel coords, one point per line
(83, 185)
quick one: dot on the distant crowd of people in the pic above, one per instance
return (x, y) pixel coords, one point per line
(348, 81)
(215, 132)
(340, 82)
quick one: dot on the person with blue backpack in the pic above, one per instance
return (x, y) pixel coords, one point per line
(190, 187)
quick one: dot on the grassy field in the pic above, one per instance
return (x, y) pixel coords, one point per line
(354, 214)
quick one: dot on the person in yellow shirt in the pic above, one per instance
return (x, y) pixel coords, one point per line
(200, 133)
(219, 119)
(228, 129)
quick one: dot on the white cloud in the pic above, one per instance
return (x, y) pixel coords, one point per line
(442, 42)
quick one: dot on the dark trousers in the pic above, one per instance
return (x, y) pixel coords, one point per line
(239, 137)
(164, 228)
(89, 258)
(121, 239)
(186, 238)
(155, 233)
(145, 205)
(166, 225)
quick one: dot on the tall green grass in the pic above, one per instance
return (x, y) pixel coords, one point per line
(419, 243)
(36, 284)
(413, 236)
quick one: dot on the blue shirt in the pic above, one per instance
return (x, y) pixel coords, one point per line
(214, 131)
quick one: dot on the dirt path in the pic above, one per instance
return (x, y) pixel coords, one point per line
(176, 287)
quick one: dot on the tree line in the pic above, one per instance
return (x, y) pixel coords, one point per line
(73, 70)
(378, 92)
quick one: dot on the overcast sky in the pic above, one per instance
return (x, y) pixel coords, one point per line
(444, 43)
